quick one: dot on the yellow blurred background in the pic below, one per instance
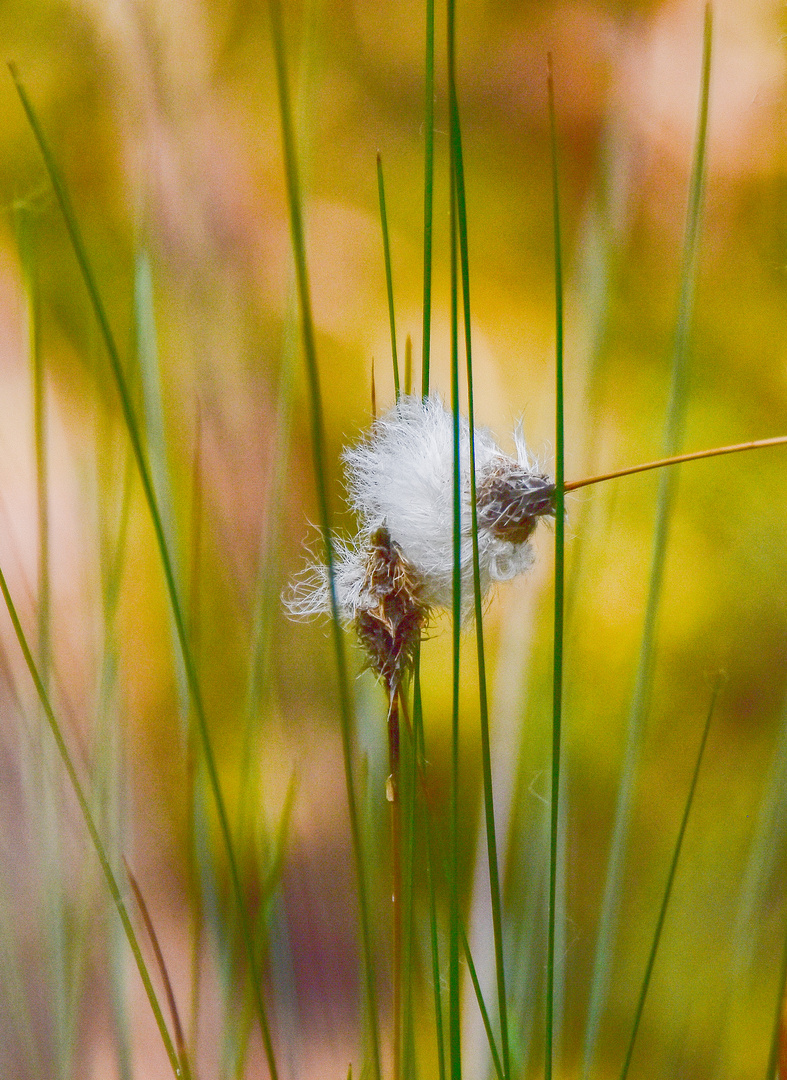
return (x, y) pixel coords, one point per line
(164, 121)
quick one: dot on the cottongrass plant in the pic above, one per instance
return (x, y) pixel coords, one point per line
(442, 516)
(400, 487)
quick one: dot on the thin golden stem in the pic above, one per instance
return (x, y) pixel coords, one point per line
(697, 455)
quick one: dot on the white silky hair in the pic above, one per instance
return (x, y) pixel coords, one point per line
(401, 476)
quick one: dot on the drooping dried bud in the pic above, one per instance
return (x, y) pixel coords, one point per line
(510, 500)
(393, 615)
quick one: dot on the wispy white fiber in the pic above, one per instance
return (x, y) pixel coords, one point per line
(400, 477)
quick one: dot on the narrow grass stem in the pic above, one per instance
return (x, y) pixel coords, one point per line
(461, 933)
(143, 468)
(393, 790)
(420, 760)
(454, 1021)
(109, 876)
(318, 449)
(557, 648)
(670, 880)
(388, 272)
(777, 1058)
(180, 1042)
(409, 775)
(673, 429)
(428, 197)
(486, 755)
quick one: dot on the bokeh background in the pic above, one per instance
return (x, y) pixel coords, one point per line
(164, 121)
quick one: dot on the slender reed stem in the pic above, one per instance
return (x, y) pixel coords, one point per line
(777, 1058)
(428, 197)
(318, 449)
(557, 648)
(177, 1027)
(670, 880)
(145, 476)
(454, 1029)
(109, 876)
(486, 754)
(673, 429)
(462, 935)
(420, 759)
(392, 793)
(388, 272)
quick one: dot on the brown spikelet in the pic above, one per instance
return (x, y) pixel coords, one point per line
(390, 626)
(511, 499)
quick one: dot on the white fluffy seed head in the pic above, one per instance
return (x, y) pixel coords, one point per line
(402, 474)
(400, 477)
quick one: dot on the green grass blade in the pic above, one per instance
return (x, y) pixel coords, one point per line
(62, 947)
(266, 590)
(765, 851)
(454, 1019)
(388, 272)
(18, 1017)
(460, 930)
(143, 468)
(408, 786)
(318, 448)
(557, 648)
(27, 252)
(773, 1069)
(471, 969)
(667, 487)
(668, 888)
(154, 435)
(109, 876)
(486, 754)
(428, 198)
(110, 729)
(418, 729)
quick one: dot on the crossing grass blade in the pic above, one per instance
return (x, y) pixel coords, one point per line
(408, 787)
(777, 1058)
(674, 423)
(765, 852)
(557, 646)
(454, 1019)
(143, 468)
(48, 842)
(180, 1044)
(87, 815)
(428, 197)
(318, 449)
(420, 755)
(154, 440)
(668, 887)
(110, 729)
(486, 754)
(14, 997)
(461, 933)
(388, 272)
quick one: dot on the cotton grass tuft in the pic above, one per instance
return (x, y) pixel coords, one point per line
(399, 566)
